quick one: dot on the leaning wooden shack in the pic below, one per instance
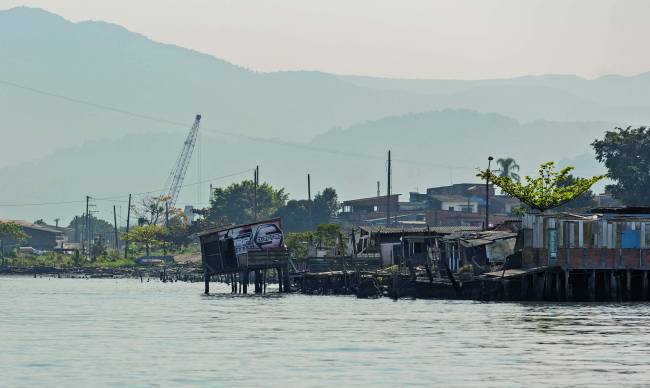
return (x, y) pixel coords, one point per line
(237, 251)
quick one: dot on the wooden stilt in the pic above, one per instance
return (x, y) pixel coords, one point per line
(612, 286)
(628, 285)
(524, 288)
(264, 281)
(644, 286)
(592, 285)
(280, 285)
(245, 281)
(567, 286)
(558, 295)
(287, 279)
(207, 283)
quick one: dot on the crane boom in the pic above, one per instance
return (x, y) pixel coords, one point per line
(175, 180)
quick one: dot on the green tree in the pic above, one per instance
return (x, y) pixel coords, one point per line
(298, 243)
(508, 166)
(235, 203)
(96, 226)
(626, 154)
(583, 202)
(295, 216)
(548, 191)
(325, 236)
(326, 205)
(330, 235)
(10, 231)
(149, 236)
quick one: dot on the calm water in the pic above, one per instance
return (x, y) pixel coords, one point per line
(76, 332)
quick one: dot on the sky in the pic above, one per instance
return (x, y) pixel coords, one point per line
(444, 39)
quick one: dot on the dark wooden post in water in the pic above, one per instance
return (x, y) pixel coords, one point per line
(592, 285)
(567, 286)
(245, 280)
(279, 272)
(286, 279)
(206, 278)
(644, 286)
(628, 279)
(612, 286)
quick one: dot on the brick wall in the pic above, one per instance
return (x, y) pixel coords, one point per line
(589, 258)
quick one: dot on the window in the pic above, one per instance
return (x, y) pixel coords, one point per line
(451, 208)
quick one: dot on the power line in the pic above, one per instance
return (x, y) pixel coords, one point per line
(229, 133)
(115, 198)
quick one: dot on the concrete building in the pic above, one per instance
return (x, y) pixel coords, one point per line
(40, 237)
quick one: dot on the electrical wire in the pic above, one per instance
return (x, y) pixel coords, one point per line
(116, 198)
(228, 133)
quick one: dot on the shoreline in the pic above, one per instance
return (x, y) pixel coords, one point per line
(179, 272)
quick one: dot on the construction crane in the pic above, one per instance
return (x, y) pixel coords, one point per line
(175, 180)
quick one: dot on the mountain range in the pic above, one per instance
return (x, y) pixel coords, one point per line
(90, 108)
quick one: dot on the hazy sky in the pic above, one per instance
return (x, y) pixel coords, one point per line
(399, 38)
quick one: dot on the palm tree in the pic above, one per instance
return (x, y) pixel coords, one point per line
(508, 166)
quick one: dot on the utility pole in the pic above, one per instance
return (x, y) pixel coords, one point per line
(487, 196)
(117, 246)
(76, 229)
(311, 222)
(167, 214)
(388, 193)
(378, 191)
(128, 220)
(255, 183)
(86, 230)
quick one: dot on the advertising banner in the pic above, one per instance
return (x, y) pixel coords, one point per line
(258, 237)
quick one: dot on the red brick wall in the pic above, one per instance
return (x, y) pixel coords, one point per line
(587, 258)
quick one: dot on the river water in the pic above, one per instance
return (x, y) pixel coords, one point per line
(100, 332)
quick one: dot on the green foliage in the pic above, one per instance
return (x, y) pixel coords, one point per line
(626, 154)
(149, 236)
(550, 190)
(326, 236)
(59, 260)
(298, 243)
(235, 203)
(508, 166)
(295, 216)
(12, 230)
(583, 202)
(96, 225)
(326, 205)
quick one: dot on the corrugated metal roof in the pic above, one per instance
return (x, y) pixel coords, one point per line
(476, 239)
(31, 225)
(419, 229)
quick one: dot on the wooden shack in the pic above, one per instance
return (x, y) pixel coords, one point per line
(236, 251)
(605, 253)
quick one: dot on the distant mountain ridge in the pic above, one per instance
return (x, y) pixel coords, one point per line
(58, 149)
(428, 149)
(106, 64)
